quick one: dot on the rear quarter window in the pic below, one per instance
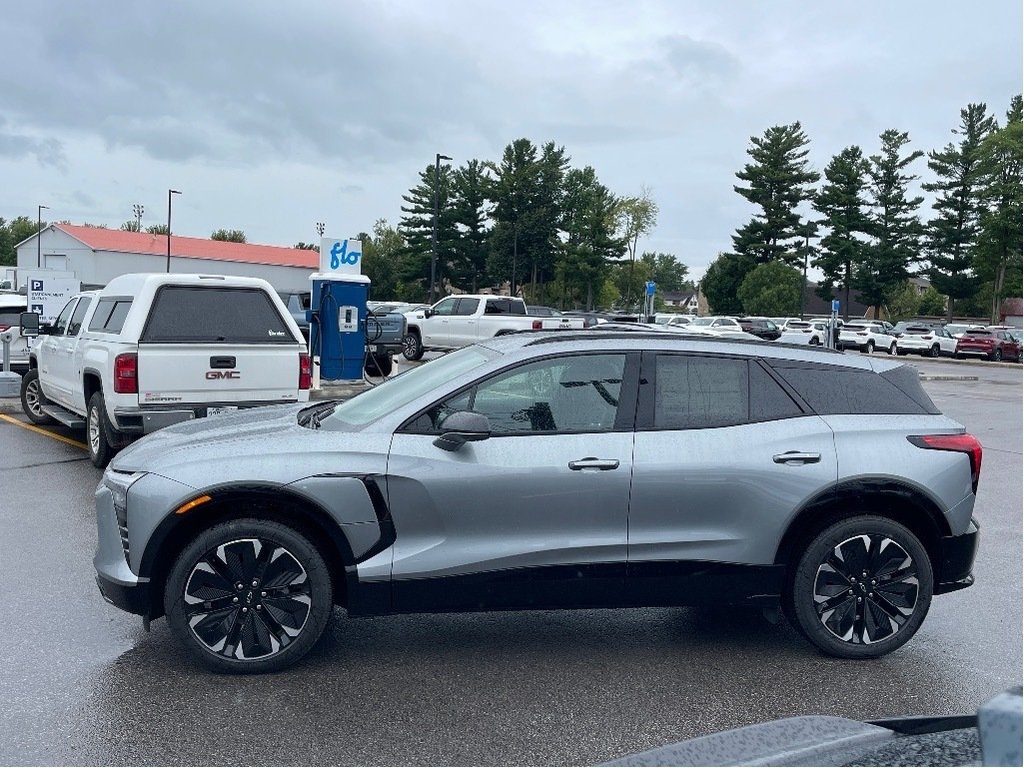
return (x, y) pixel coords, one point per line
(831, 390)
(182, 314)
(110, 315)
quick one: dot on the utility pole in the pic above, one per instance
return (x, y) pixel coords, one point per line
(433, 253)
(39, 235)
(169, 193)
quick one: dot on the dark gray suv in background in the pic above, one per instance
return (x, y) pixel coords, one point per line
(577, 469)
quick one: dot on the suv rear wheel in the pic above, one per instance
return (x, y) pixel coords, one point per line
(861, 588)
(870, 346)
(248, 596)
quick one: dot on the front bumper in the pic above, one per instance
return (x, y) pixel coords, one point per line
(133, 598)
(956, 560)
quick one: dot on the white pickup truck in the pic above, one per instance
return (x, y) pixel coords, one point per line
(151, 350)
(459, 321)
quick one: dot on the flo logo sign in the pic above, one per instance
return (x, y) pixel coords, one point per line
(341, 256)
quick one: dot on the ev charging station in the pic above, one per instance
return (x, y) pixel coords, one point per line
(337, 314)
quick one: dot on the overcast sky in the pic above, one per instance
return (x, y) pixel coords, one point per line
(272, 116)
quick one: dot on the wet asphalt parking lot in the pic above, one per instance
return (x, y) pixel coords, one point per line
(82, 683)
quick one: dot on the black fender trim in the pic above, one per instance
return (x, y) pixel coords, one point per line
(907, 503)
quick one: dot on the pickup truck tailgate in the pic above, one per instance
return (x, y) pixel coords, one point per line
(177, 374)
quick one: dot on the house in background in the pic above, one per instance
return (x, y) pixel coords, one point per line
(96, 256)
(1011, 312)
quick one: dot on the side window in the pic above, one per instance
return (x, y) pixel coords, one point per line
(110, 315)
(446, 307)
(467, 306)
(60, 325)
(183, 313)
(76, 319)
(768, 400)
(496, 307)
(567, 394)
(699, 392)
(837, 390)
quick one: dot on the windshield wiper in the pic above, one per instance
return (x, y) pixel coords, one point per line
(312, 416)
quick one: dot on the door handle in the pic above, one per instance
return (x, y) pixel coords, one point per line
(591, 462)
(796, 457)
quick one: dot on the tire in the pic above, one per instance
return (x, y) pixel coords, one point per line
(997, 356)
(892, 349)
(412, 346)
(378, 365)
(934, 351)
(843, 612)
(98, 432)
(33, 399)
(814, 342)
(870, 346)
(229, 625)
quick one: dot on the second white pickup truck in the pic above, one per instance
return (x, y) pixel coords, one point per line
(459, 321)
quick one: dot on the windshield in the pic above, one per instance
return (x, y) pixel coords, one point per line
(401, 390)
(702, 321)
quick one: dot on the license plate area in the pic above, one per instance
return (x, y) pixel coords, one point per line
(215, 410)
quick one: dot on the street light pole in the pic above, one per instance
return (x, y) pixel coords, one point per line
(169, 193)
(138, 209)
(39, 235)
(433, 253)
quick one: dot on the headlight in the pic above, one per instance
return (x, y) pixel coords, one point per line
(118, 484)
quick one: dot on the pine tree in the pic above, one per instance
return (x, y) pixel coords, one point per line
(590, 240)
(895, 226)
(470, 212)
(842, 203)
(778, 182)
(998, 259)
(417, 227)
(958, 206)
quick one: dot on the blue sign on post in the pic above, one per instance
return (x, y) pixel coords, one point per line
(650, 286)
(835, 305)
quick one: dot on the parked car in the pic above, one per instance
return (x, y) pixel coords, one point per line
(11, 307)
(761, 327)
(545, 471)
(715, 323)
(867, 336)
(458, 321)
(957, 329)
(811, 332)
(994, 345)
(590, 319)
(150, 350)
(932, 342)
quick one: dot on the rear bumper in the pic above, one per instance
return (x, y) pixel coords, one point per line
(142, 422)
(956, 561)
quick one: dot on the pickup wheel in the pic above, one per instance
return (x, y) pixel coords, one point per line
(412, 346)
(861, 588)
(98, 432)
(33, 399)
(378, 365)
(248, 596)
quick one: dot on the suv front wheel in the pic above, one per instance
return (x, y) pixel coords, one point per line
(861, 588)
(249, 596)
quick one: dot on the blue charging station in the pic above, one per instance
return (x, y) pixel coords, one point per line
(337, 324)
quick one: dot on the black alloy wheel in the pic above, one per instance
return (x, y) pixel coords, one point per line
(997, 356)
(862, 588)
(249, 596)
(934, 351)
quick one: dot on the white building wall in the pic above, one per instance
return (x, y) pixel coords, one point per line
(61, 251)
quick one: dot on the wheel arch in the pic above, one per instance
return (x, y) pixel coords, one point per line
(281, 505)
(899, 500)
(92, 382)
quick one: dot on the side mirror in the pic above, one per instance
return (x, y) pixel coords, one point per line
(428, 312)
(28, 324)
(462, 427)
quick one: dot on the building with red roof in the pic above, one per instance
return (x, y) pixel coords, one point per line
(96, 256)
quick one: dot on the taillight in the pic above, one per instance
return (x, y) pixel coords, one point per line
(126, 373)
(3, 327)
(305, 371)
(537, 325)
(960, 443)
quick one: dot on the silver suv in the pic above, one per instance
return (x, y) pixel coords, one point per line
(577, 469)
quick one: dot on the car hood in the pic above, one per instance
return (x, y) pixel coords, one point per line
(259, 444)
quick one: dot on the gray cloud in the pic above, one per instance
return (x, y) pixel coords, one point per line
(48, 152)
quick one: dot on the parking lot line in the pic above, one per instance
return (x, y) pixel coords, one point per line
(41, 431)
